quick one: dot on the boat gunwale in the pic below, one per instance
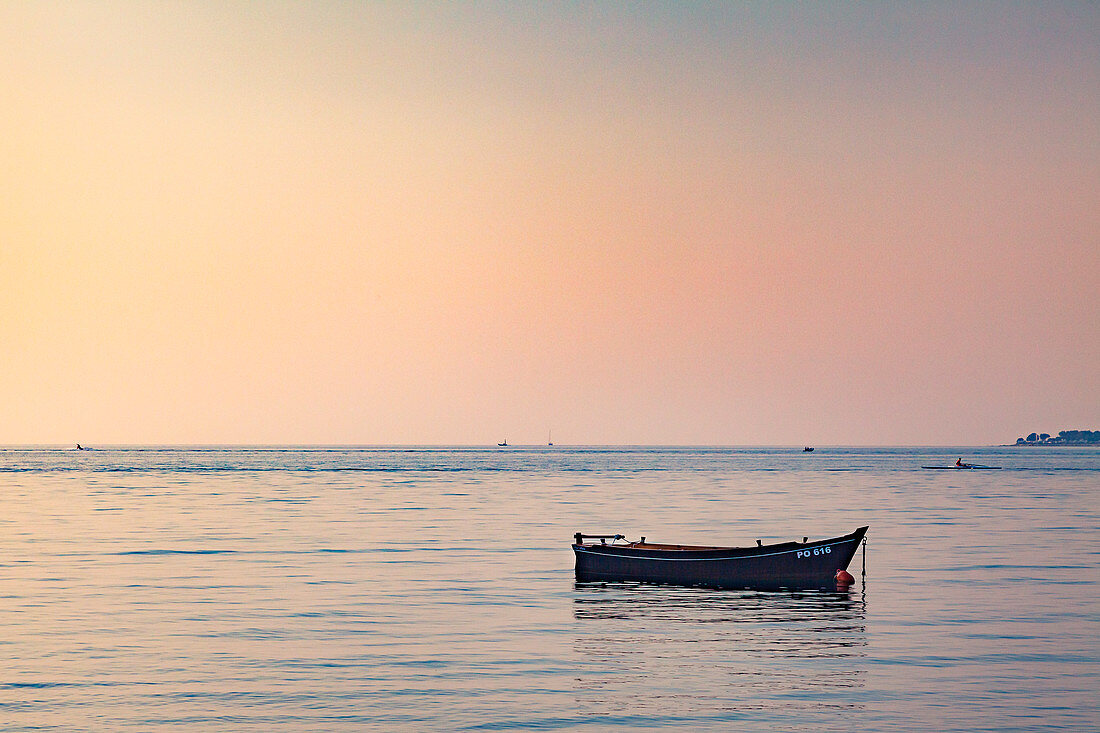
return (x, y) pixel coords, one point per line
(652, 551)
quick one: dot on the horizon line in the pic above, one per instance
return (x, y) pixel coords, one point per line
(72, 446)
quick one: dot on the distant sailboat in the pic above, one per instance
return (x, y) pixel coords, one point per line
(548, 440)
(504, 444)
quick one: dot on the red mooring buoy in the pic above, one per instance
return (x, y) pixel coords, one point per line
(843, 577)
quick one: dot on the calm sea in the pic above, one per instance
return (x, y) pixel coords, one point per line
(310, 589)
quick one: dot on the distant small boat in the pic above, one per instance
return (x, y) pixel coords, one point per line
(548, 439)
(959, 465)
(808, 449)
(786, 565)
(963, 467)
(504, 444)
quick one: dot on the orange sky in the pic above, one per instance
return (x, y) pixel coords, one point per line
(327, 223)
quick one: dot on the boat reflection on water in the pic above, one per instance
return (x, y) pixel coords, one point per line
(603, 599)
(650, 652)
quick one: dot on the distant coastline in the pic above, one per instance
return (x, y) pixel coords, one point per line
(1064, 437)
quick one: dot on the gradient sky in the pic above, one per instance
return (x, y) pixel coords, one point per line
(708, 223)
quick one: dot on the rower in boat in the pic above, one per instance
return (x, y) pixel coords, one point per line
(959, 464)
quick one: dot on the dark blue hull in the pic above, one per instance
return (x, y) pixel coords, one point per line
(786, 565)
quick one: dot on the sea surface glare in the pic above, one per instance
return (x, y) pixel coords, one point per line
(417, 589)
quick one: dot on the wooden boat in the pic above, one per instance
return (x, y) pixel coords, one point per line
(784, 565)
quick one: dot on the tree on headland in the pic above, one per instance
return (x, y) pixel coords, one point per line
(1079, 436)
(1064, 437)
